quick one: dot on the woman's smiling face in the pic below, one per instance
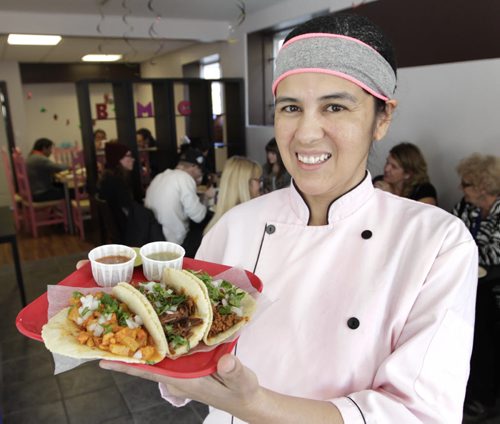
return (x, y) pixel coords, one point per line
(324, 127)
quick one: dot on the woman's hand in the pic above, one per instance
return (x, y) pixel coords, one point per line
(233, 388)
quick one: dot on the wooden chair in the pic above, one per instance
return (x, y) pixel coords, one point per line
(17, 208)
(37, 214)
(80, 205)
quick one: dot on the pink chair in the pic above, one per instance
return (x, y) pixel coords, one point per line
(80, 205)
(37, 214)
(15, 198)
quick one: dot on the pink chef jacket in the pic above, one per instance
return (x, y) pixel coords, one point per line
(373, 311)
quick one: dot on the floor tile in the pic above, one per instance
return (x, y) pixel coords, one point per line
(200, 409)
(141, 394)
(17, 346)
(50, 413)
(96, 407)
(167, 414)
(84, 379)
(28, 369)
(38, 392)
(124, 419)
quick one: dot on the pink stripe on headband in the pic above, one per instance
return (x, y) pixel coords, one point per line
(328, 72)
(327, 35)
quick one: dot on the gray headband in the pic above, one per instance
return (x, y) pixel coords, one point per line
(338, 55)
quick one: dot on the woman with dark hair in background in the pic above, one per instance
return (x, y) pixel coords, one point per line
(145, 140)
(405, 174)
(274, 173)
(41, 172)
(372, 295)
(135, 225)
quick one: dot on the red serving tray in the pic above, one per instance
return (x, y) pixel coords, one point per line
(32, 318)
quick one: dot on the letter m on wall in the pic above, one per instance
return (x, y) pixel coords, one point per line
(144, 109)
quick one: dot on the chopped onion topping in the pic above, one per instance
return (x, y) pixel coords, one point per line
(138, 320)
(90, 302)
(131, 323)
(237, 311)
(138, 354)
(149, 286)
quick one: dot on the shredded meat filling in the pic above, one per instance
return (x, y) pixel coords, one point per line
(181, 321)
(221, 323)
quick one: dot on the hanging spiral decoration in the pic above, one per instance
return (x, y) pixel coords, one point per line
(153, 33)
(240, 4)
(100, 5)
(128, 32)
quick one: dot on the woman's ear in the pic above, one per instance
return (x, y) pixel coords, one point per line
(384, 119)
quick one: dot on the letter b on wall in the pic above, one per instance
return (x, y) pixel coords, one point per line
(101, 110)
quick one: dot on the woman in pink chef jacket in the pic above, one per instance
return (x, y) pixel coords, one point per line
(373, 294)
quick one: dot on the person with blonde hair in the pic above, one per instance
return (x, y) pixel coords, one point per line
(405, 174)
(240, 182)
(479, 209)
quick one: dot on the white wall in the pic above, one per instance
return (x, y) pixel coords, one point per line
(449, 111)
(9, 72)
(51, 112)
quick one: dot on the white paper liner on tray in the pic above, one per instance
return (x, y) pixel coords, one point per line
(58, 297)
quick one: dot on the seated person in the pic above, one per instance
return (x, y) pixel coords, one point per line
(100, 139)
(144, 140)
(41, 172)
(479, 209)
(274, 173)
(480, 206)
(134, 224)
(173, 198)
(405, 175)
(240, 182)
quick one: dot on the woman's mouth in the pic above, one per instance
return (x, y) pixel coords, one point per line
(313, 159)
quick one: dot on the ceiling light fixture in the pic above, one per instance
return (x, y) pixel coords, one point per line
(33, 40)
(101, 57)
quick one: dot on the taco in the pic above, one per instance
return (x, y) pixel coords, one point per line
(181, 307)
(232, 307)
(115, 326)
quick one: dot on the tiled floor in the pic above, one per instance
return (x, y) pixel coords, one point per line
(30, 393)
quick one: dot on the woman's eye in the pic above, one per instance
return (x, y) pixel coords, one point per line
(335, 108)
(290, 108)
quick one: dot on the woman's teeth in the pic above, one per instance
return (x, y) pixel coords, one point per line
(314, 159)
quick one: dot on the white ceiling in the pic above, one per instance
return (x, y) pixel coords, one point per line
(138, 29)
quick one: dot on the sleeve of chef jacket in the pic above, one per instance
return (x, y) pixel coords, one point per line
(424, 378)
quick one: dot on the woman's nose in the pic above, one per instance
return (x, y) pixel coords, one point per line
(309, 128)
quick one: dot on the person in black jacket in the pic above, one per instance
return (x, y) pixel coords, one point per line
(135, 225)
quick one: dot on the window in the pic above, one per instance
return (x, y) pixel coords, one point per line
(210, 69)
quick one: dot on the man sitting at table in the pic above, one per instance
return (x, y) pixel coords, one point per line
(41, 172)
(173, 198)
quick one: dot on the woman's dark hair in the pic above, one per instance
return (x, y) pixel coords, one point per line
(146, 134)
(42, 143)
(272, 146)
(351, 25)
